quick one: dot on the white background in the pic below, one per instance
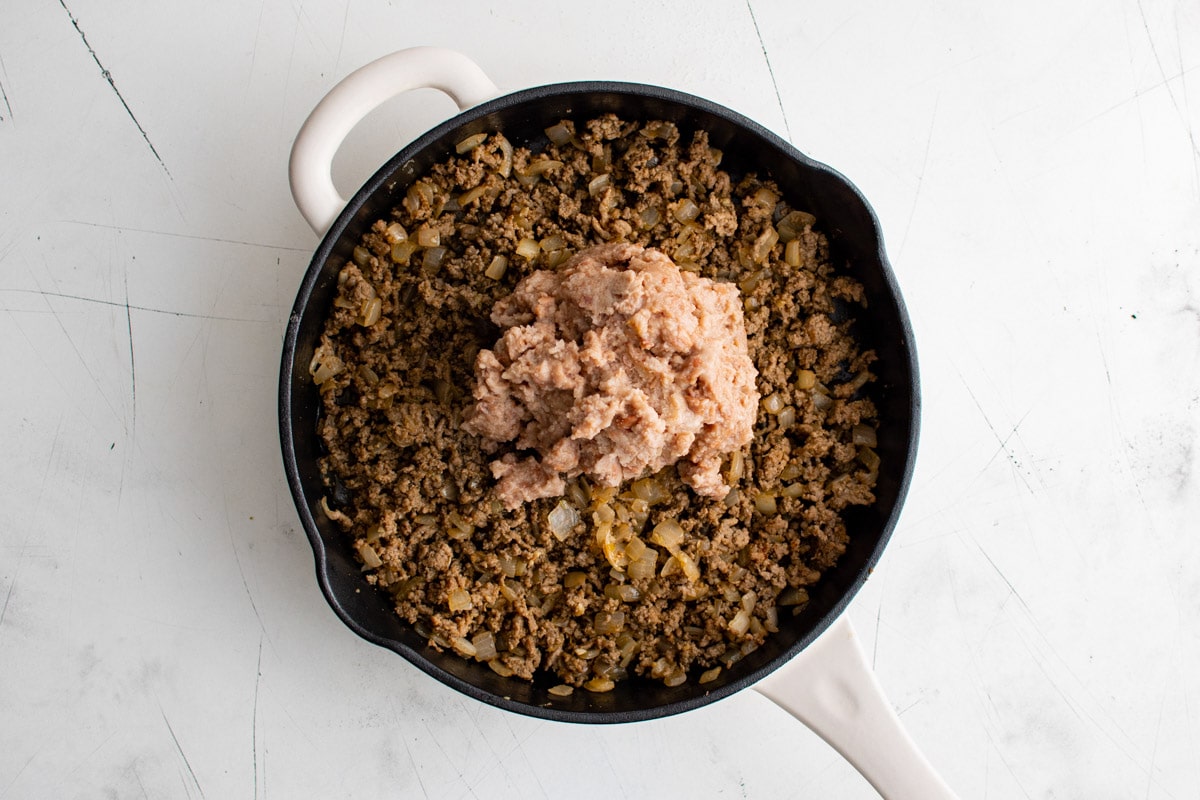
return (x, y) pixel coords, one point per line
(1036, 618)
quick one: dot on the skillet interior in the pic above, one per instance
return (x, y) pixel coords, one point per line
(855, 243)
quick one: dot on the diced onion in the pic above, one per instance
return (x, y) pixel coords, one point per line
(428, 236)
(792, 253)
(737, 467)
(793, 224)
(559, 133)
(599, 685)
(370, 558)
(863, 435)
(805, 379)
(763, 244)
(669, 534)
(676, 678)
(395, 232)
(506, 153)
(869, 458)
(793, 490)
(371, 311)
(485, 646)
(575, 579)
(606, 622)
(650, 490)
(749, 599)
(787, 417)
(691, 570)
(686, 210)
(625, 592)
(470, 143)
(740, 622)
(650, 217)
(765, 504)
(432, 260)
(554, 242)
(773, 403)
(792, 596)
(765, 197)
(496, 269)
(471, 195)
(463, 646)
(561, 690)
(362, 256)
(709, 675)
(460, 600)
(562, 520)
(528, 249)
(500, 668)
(402, 251)
(599, 184)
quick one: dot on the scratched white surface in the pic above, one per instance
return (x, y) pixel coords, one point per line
(1036, 619)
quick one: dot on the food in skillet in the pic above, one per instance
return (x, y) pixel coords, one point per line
(521, 502)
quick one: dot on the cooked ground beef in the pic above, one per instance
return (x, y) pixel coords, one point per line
(649, 578)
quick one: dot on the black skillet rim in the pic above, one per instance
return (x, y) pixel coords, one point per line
(385, 174)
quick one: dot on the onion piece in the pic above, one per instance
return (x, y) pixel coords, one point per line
(599, 685)
(650, 217)
(371, 311)
(506, 152)
(428, 236)
(805, 379)
(598, 184)
(471, 195)
(496, 269)
(470, 143)
(561, 690)
(792, 253)
(863, 435)
(432, 260)
(669, 534)
(559, 133)
(686, 210)
(395, 233)
(606, 622)
(485, 646)
(562, 520)
(370, 558)
(740, 622)
(460, 600)
(763, 244)
(402, 251)
(501, 669)
(528, 249)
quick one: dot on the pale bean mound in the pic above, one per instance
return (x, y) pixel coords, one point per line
(616, 365)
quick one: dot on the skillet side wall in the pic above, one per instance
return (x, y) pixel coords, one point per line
(856, 246)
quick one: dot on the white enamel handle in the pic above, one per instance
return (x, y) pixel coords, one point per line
(831, 689)
(359, 93)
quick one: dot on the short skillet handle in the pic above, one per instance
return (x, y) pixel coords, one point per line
(359, 93)
(831, 689)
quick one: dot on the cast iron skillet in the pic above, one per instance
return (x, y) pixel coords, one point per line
(522, 116)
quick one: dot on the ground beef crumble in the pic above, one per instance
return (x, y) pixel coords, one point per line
(649, 578)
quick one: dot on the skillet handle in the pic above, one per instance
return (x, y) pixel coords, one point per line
(359, 93)
(831, 689)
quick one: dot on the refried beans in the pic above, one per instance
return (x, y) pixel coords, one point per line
(632, 530)
(616, 365)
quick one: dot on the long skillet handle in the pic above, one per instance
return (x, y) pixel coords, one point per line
(831, 689)
(359, 93)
